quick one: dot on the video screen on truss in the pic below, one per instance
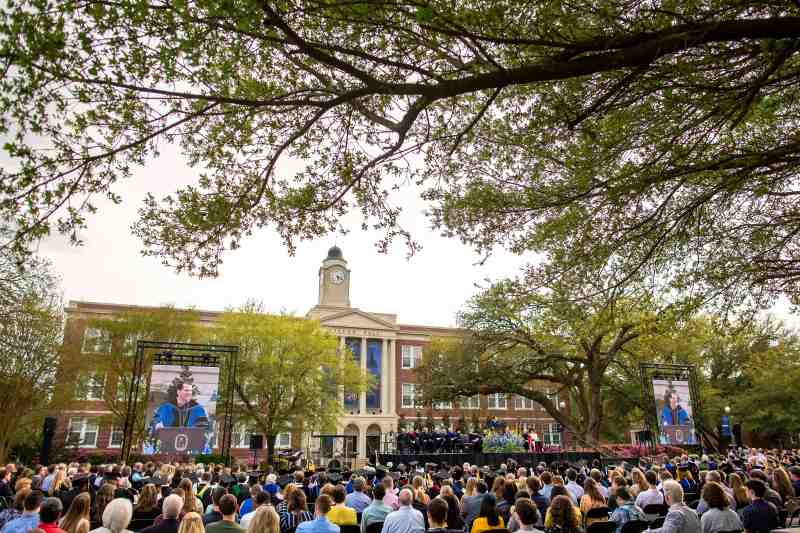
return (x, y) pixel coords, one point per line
(181, 409)
(674, 411)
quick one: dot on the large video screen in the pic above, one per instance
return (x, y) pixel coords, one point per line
(181, 409)
(674, 411)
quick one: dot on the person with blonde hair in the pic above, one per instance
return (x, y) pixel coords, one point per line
(192, 523)
(265, 520)
(77, 519)
(147, 505)
(419, 487)
(116, 516)
(191, 504)
(60, 484)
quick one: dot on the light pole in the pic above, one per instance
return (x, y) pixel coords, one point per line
(563, 405)
(730, 425)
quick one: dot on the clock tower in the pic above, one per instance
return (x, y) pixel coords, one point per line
(334, 280)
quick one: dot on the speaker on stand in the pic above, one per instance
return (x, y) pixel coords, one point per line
(48, 432)
(256, 443)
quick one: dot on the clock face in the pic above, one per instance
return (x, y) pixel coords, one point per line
(337, 276)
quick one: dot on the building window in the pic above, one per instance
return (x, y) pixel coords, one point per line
(552, 435)
(115, 438)
(96, 340)
(82, 432)
(522, 403)
(409, 397)
(410, 356)
(283, 440)
(374, 364)
(470, 402)
(442, 405)
(241, 436)
(90, 387)
(497, 401)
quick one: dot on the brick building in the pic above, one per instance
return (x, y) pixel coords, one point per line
(382, 346)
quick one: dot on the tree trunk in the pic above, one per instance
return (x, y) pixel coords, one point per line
(271, 449)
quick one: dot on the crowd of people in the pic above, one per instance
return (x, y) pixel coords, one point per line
(752, 490)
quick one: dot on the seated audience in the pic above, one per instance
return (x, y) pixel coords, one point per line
(626, 510)
(526, 515)
(49, 513)
(680, 517)
(718, 516)
(78, 517)
(228, 505)
(651, 495)
(171, 511)
(488, 517)
(30, 514)
(377, 511)
(760, 516)
(320, 524)
(340, 514)
(263, 499)
(295, 512)
(561, 516)
(265, 520)
(116, 516)
(357, 500)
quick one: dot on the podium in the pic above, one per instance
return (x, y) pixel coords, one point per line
(677, 434)
(181, 440)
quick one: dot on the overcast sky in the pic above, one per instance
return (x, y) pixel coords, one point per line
(427, 289)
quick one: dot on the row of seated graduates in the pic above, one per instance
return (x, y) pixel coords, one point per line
(438, 442)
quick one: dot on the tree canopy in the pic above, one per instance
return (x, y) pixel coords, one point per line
(31, 332)
(646, 140)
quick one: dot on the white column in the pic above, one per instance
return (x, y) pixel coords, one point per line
(362, 441)
(363, 397)
(392, 377)
(342, 349)
(385, 377)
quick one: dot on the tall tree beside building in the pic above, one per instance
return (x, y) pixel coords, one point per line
(290, 373)
(532, 344)
(31, 329)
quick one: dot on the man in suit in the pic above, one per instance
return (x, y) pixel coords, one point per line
(171, 510)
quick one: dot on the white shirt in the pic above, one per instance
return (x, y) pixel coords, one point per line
(575, 490)
(649, 497)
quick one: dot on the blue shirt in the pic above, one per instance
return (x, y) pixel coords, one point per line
(22, 524)
(358, 501)
(318, 525)
(405, 520)
(246, 507)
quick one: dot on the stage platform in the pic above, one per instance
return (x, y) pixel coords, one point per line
(495, 459)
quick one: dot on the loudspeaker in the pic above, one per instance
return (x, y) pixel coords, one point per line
(737, 434)
(256, 442)
(48, 432)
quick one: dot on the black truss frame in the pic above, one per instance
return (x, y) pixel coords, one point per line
(181, 353)
(675, 372)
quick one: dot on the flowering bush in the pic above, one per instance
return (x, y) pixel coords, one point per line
(503, 443)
